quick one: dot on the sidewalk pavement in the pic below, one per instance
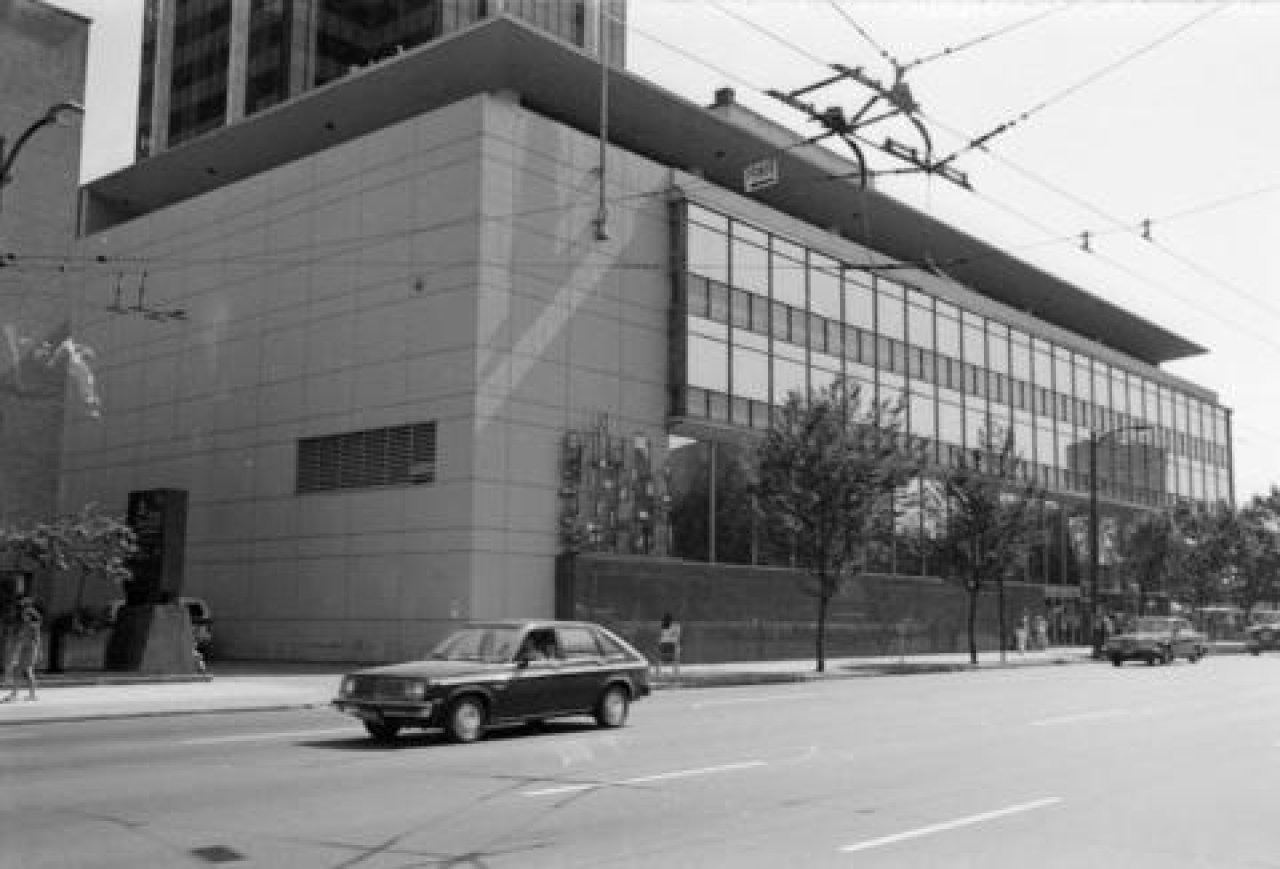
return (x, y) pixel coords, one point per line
(235, 686)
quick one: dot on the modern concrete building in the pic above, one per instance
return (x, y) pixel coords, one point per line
(208, 63)
(43, 52)
(382, 343)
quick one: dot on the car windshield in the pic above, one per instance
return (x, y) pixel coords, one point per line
(486, 644)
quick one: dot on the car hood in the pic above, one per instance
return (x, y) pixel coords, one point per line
(435, 669)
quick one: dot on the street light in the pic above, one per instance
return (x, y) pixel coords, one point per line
(55, 115)
(1096, 438)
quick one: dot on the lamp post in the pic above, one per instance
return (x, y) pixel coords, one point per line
(1096, 438)
(55, 115)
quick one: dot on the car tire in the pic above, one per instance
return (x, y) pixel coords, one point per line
(613, 706)
(465, 720)
(1195, 657)
(382, 731)
(1255, 652)
(1116, 660)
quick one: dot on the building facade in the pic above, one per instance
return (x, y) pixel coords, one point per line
(208, 63)
(419, 355)
(43, 53)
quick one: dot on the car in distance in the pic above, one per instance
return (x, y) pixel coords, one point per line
(1263, 633)
(1157, 639)
(496, 673)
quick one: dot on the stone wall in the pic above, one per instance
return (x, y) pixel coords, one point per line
(742, 613)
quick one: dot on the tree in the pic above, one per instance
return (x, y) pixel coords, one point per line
(86, 543)
(991, 519)
(1258, 564)
(1154, 551)
(823, 475)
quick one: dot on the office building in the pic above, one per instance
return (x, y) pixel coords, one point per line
(43, 52)
(208, 63)
(403, 357)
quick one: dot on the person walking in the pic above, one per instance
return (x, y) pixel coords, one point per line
(24, 648)
(669, 645)
(1021, 631)
(1040, 633)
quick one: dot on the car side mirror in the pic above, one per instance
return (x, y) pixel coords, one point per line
(522, 660)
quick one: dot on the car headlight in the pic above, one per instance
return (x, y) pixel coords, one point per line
(415, 691)
(347, 686)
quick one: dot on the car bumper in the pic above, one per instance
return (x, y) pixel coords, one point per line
(417, 713)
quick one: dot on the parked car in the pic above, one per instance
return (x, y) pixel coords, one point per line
(1157, 639)
(197, 610)
(1263, 633)
(497, 673)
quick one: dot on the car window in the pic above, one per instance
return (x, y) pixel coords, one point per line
(578, 642)
(612, 648)
(478, 644)
(540, 645)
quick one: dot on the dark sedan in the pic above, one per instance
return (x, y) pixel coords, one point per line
(502, 672)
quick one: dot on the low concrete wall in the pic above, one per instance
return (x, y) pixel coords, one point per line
(742, 613)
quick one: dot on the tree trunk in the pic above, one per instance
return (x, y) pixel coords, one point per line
(824, 601)
(973, 622)
(1004, 635)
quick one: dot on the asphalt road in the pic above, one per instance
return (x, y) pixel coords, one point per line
(1073, 766)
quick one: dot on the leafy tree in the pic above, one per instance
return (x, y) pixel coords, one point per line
(1212, 539)
(992, 519)
(1258, 561)
(824, 474)
(1154, 551)
(88, 542)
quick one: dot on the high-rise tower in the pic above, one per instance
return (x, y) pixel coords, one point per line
(208, 63)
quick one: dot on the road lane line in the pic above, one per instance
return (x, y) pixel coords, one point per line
(644, 779)
(279, 734)
(1081, 716)
(951, 825)
(706, 704)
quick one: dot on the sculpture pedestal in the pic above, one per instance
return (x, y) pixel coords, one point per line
(153, 639)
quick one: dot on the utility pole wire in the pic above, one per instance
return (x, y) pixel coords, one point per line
(953, 50)
(981, 141)
(889, 58)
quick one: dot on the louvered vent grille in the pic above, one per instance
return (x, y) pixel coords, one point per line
(397, 456)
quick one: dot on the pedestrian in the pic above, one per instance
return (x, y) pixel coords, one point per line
(1021, 632)
(1040, 632)
(24, 648)
(669, 645)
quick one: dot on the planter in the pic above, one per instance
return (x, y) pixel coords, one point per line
(79, 651)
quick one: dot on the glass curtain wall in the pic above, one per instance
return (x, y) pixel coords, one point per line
(764, 315)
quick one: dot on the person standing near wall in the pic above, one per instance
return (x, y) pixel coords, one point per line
(23, 652)
(669, 645)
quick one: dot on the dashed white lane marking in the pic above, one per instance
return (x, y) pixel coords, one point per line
(644, 779)
(951, 825)
(737, 701)
(253, 737)
(1081, 716)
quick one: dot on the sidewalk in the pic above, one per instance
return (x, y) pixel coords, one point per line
(235, 686)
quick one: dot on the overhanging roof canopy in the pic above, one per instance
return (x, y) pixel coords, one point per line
(557, 80)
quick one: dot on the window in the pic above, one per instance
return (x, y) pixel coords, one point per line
(396, 456)
(578, 643)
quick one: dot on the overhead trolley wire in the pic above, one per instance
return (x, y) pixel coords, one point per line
(981, 141)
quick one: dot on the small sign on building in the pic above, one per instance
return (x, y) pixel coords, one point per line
(760, 174)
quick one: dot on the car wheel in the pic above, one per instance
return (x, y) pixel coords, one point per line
(1116, 660)
(1255, 652)
(465, 722)
(1151, 659)
(1195, 657)
(611, 709)
(1168, 657)
(383, 731)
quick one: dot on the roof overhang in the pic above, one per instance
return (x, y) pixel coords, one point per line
(559, 81)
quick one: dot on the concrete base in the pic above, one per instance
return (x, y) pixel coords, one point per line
(152, 638)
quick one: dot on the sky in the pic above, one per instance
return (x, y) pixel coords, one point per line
(1149, 126)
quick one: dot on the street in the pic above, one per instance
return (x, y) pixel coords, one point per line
(1081, 765)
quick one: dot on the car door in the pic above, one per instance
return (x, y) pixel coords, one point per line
(537, 685)
(584, 669)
